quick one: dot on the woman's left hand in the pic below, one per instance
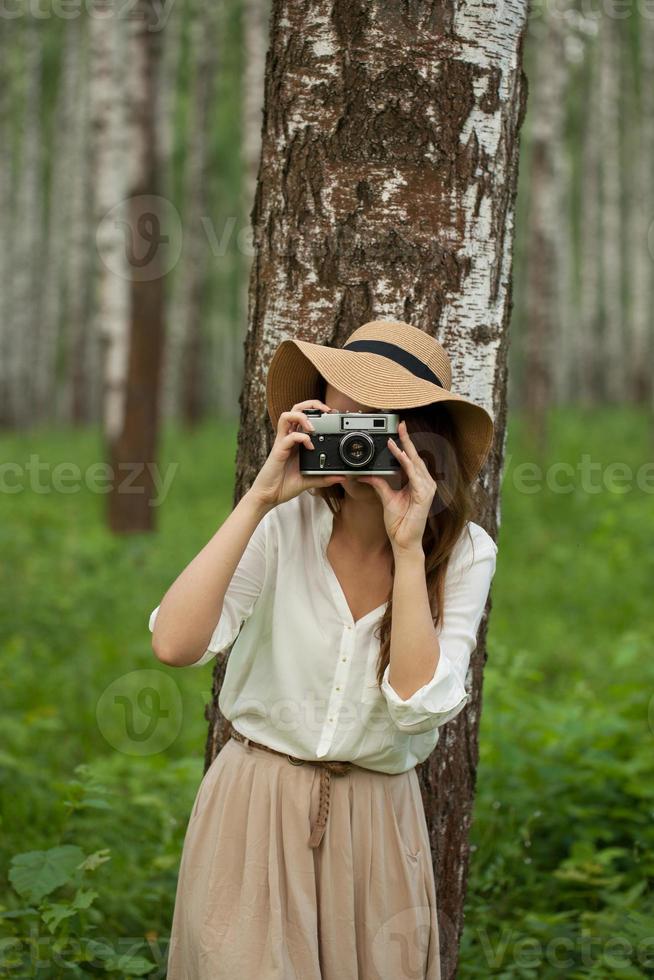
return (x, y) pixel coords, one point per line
(405, 510)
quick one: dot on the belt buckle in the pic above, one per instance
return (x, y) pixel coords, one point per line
(296, 762)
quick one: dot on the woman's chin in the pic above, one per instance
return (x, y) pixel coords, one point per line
(355, 488)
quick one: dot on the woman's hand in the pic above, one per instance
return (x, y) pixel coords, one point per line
(405, 510)
(279, 479)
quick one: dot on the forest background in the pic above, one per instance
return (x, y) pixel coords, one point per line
(93, 813)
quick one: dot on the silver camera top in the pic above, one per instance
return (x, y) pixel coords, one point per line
(328, 423)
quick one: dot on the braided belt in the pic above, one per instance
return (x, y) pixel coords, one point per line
(328, 767)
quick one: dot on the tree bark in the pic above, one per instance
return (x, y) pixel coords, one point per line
(133, 442)
(387, 190)
(26, 294)
(545, 228)
(207, 33)
(589, 367)
(613, 319)
(640, 197)
(82, 347)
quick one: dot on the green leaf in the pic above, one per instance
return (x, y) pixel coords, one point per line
(35, 874)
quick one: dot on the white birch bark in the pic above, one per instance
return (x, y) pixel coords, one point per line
(108, 66)
(27, 239)
(48, 392)
(256, 16)
(6, 233)
(641, 227)
(613, 354)
(587, 348)
(83, 349)
(184, 336)
(546, 224)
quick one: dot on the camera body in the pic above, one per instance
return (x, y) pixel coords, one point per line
(350, 442)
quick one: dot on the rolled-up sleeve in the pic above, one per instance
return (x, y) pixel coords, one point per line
(242, 592)
(467, 584)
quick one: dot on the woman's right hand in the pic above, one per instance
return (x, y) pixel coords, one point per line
(279, 479)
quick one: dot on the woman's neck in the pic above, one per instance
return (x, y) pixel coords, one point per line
(362, 523)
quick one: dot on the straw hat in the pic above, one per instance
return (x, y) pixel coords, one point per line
(384, 364)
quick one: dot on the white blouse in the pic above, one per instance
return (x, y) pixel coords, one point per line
(300, 676)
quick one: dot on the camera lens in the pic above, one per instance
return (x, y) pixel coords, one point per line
(356, 449)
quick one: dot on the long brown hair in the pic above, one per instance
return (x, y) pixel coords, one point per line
(434, 434)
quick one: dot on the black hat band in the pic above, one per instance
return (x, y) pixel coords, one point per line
(399, 355)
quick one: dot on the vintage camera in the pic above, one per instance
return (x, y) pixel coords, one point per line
(350, 442)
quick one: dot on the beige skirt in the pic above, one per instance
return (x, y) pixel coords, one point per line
(255, 902)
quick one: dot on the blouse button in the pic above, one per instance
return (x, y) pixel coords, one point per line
(343, 659)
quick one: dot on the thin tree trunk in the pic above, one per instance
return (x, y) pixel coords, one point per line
(82, 359)
(132, 440)
(49, 389)
(392, 196)
(207, 38)
(613, 354)
(544, 269)
(6, 231)
(641, 236)
(171, 92)
(256, 16)
(110, 183)
(589, 312)
(28, 238)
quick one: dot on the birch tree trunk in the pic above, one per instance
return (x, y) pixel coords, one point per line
(387, 189)
(132, 437)
(82, 353)
(27, 239)
(544, 226)
(256, 15)
(50, 391)
(206, 42)
(589, 312)
(613, 354)
(6, 231)
(641, 236)
(110, 183)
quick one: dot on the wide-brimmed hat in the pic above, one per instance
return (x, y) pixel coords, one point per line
(385, 364)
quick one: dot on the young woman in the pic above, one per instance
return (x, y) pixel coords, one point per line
(350, 613)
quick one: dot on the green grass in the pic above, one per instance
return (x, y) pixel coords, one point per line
(563, 845)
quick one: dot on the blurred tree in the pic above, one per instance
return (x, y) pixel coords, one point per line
(206, 40)
(387, 189)
(612, 248)
(81, 349)
(125, 72)
(640, 203)
(546, 228)
(589, 367)
(24, 282)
